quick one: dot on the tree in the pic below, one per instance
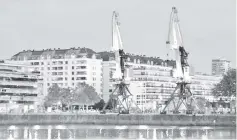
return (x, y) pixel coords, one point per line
(84, 94)
(57, 94)
(53, 95)
(227, 86)
(201, 103)
(99, 105)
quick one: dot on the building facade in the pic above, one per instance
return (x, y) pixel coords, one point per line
(220, 66)
(152, 85)
(202, 84)
(65, 67)
(20, 88)
(109, 68)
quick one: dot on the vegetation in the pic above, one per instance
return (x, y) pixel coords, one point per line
(55, 95)
(82, 94)
(227, 86)
(99, 105)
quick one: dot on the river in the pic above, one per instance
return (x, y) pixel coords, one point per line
(114, 132)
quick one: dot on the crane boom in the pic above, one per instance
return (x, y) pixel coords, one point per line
(175, 43)
(117, 46)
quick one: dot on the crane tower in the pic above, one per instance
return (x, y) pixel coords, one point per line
(182, 97)
(121, 96)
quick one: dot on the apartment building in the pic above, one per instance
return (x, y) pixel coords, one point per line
(202, 84)
(20, 88)
(152, 84)
(109, 68)
(220, 66)
(65, 67)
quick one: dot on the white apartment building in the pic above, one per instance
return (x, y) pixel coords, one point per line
(220, 66)
(19, 88)
(65, 67)
(108, 71)
(202, 84)
(152, 85)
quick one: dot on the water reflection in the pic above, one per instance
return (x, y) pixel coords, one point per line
(115, 132)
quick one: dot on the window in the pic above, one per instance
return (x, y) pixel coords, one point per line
(36, 63)
(72, 73)
(110, 90)
(65, 67)
(94, 79)
(66, 73)
(54, 73)
(138, 97)
(60, 68)
(59, 79)
(83, 67)
(81, 73)
(48, 84)
(42, 63)
(81, 61)
(42, 68)
(80, 67)
(48, 68)
(81, 78)
(66, 62)
(72, 78)
(60, 73)
(94, 84)
(72, 67)
(65, 78)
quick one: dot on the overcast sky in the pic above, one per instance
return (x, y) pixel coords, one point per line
(208, 26)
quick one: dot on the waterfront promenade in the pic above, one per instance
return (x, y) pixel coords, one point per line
(115, 119)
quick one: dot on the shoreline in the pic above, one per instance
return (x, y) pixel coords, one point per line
(122, 119)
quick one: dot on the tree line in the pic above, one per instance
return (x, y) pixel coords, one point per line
(82, 94)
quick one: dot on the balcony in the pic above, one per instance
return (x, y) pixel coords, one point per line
(18, 83)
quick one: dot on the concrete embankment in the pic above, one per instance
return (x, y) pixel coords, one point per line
(110, 119)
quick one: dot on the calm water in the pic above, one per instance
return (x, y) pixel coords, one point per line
(114, 132)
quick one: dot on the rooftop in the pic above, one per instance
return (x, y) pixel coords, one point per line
(142, 59)
(53, 53)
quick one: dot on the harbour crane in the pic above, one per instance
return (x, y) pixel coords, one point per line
(182, 95)
(121, 97)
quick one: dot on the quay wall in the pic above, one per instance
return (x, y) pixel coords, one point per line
(125, 119)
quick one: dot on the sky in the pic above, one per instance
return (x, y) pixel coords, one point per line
(208, 27)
